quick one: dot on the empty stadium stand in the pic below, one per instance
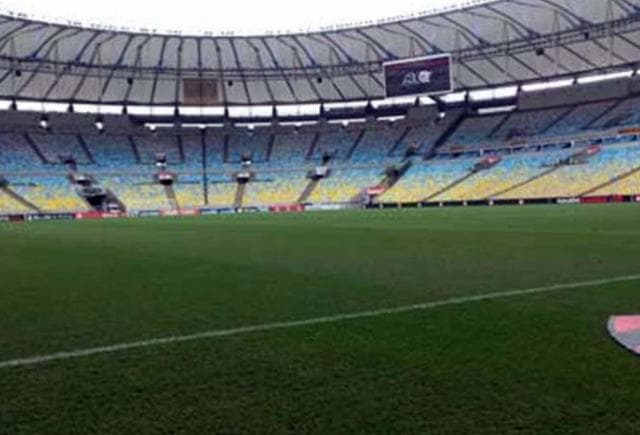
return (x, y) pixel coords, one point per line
(531, 147)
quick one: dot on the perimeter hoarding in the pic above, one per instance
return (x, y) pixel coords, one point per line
(418, 76)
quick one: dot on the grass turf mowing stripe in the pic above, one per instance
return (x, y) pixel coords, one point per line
(40, 359)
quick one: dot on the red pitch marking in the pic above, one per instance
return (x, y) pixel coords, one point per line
(624, 324)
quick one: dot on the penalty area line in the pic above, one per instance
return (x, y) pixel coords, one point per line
(120, 347)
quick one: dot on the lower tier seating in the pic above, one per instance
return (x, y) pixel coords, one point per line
(575, 180)
(54, 194)
(344, 184)
(627, 186)
(276, 188)
(541, 174)
(9, 205)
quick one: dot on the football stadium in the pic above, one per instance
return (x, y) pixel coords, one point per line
(425, 222)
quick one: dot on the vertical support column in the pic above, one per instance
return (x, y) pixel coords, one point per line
(612, 32)
(294, 73)
(412, 47)
(368, 58)
(14, 65)
(176, 95)
(457, 46)
(304, 73)
(136, 72)
(556, 42)
(57, 70)
(225, 98)
(506, 38)
(100, 78)
(333, 60)
(205, 176)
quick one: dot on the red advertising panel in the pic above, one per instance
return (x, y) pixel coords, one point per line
(287, 208)
(98, 215)
(375, 190)
(602, 199)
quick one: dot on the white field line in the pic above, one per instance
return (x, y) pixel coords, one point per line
(58, 356)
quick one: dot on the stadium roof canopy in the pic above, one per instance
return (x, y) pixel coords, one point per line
(493, 43)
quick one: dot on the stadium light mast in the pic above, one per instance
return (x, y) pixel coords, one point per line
(99, 123)
(44, 120)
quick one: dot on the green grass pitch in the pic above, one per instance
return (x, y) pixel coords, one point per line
(538, 363)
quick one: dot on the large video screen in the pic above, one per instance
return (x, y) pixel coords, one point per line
(418, 76)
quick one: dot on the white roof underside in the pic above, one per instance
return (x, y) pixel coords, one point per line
(492, 43)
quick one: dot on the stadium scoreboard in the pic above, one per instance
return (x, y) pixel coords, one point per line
(428, 75)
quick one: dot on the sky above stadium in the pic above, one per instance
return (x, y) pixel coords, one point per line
(239, 16)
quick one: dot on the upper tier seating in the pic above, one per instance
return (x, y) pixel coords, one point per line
(578, 118)
(56, 148)
(150, 145)
(338, 143)
(623, 113)
(290, 149)
(423, 137)
(253, 143)
(16, 154)
(111, 152)
(375, 145)
(527, 124)
(215, 150)
(192, 149)
(474, 132)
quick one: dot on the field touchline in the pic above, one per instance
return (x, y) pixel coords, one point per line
(40, 359)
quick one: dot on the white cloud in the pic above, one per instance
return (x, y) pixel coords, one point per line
(239, 16)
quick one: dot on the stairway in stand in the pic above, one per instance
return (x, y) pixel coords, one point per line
(4, 188)
(172, 200)
(308, 190)
(239, 197)
(451, 185)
